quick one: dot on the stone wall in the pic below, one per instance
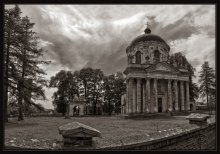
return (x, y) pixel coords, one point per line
(196, 138)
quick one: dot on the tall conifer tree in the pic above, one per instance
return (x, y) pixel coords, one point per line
(207, 83)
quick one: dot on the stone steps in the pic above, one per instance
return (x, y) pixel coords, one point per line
(183, 113)
(146, 116)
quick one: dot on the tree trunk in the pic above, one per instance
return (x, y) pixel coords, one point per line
(109, 107)
(210, 107)
(5, 95)
(5, 100)
(207, 98)
(21, 90)
(85, 88)
(20, 98)
(94, 109)
(67, 115)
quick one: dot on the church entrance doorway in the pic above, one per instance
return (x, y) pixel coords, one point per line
(76, 110)
(191, 107)
(159, 104)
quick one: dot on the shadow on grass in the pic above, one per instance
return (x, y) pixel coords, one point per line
(13, 124)
(153, 117)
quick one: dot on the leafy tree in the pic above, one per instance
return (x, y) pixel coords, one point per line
(180, 61)
(85, 76)
(120, 89)
(108, 86)
(36, 108)
(95, 88)
(66, 84)
(207, 83)
(114, 87)
(91, 80)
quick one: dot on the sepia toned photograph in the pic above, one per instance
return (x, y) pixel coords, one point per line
(109, 77)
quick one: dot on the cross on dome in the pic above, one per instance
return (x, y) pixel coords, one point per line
(147, 30)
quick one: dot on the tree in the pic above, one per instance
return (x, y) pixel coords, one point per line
(91, 80)
(85, 76)
(31, 76)
(178, 60)
(23, 74)
(120, 89)
(207, 83)
(29, 108)
(11, 31)
(66, 84)
(95, 88)
(114, 87)
(108, 86)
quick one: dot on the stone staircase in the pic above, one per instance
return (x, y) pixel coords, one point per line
(156, 115)
(182, 113)
(146, 116)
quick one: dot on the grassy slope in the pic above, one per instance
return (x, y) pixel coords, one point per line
(114, 129)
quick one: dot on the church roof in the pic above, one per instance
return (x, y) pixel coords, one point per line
(148, 37)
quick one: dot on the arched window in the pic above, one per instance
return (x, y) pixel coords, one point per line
(138, 57)
(157, 55)
(147, 58)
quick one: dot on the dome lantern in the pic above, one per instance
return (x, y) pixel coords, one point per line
(147, 30)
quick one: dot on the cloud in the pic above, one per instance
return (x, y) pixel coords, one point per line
(197, 48)
(77, 36)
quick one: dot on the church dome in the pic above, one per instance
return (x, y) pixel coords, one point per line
(147, 37)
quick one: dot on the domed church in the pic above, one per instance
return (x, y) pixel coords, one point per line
(153, 84)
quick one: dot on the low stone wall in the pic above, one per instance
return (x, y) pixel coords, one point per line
(194, 138)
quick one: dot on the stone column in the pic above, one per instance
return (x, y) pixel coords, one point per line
(155, 96)
(169, 91)
(144, 98)
(134, 106)
(182, 96)
(148, 104)
(176, 96)
(139, 95)
(187, 96)
(130, 94)
(81, 110)
(127, 97)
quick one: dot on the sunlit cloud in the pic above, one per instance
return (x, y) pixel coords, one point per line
(76, 36)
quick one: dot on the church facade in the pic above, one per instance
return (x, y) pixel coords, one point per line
(153, 84)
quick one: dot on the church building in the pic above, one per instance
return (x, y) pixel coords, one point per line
(153, 84)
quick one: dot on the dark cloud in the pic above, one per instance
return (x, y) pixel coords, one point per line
(178, 30)
(102, 46)
(97, 36)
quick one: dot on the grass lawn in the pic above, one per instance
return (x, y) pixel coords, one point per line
(42, 132)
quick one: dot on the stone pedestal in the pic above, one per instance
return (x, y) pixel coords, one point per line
(77, 135)
(198, 119)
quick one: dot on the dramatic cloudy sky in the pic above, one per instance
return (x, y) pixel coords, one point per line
(76, 36)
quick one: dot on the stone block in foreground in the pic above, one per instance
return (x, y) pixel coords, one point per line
(78, 134)
(198, 119)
